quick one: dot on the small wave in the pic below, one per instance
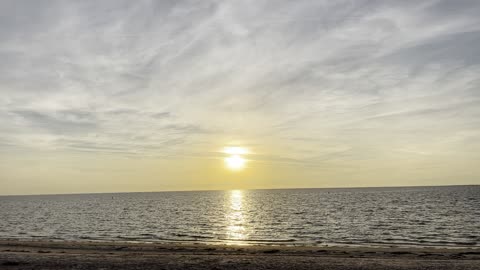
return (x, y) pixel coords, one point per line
(406, 242)
(149, 235)
(260, 240)
(195, 236)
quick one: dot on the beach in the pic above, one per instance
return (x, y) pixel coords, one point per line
(15, 254)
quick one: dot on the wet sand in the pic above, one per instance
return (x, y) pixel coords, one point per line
(104, 255)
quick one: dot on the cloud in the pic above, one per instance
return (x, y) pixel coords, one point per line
(125, 77)
(451, 48)
(60, 122)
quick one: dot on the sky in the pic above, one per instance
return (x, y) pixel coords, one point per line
(123, 96)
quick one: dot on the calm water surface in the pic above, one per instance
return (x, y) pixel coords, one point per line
(420, 216)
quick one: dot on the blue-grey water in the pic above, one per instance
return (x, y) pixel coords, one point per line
(418, 216)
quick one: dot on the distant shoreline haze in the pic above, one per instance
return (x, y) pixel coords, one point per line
(206, 190)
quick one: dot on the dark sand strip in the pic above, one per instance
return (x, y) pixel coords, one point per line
(92, 255)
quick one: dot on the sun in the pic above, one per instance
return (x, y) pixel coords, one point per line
(235, 162)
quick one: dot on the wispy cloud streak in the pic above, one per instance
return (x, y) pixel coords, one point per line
(147, 77)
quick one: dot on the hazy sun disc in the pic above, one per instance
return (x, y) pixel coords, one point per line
(235, 162)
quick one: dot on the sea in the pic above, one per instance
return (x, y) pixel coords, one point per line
(366, 217)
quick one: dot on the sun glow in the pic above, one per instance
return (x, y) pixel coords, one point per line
(235, 150)
(235, 160)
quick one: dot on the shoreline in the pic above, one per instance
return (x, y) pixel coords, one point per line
(234, 243)
(17, 254)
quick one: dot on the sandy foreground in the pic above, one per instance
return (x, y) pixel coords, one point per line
(95, 255)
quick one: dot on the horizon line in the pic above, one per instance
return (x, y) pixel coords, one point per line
(194, 190)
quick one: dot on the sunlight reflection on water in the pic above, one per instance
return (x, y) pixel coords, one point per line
(235, 217)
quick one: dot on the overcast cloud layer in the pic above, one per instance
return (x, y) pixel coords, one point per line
(314, 83)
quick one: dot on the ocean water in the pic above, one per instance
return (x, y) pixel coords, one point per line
(417, 216)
